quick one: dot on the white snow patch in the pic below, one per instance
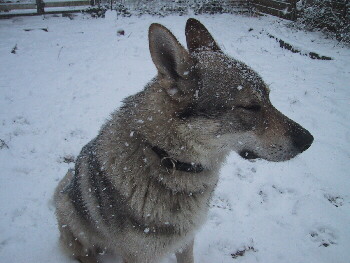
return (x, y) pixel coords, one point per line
(59, 87)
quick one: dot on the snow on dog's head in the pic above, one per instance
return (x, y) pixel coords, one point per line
(222, 104)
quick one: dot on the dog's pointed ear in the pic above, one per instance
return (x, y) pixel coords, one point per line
(169, 56)
(198, 37)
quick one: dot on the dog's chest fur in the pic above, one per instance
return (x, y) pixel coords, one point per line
(165, 201)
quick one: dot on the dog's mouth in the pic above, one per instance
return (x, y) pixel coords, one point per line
(248, 155)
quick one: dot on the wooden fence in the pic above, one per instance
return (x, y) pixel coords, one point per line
(42, 7)
(283, 9)
(241, 6)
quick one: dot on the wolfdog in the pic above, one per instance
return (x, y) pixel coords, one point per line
(141, 188)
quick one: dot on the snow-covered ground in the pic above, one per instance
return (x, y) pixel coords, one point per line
(60, 86)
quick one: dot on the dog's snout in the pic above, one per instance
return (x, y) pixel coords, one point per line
(302, 138)
(303, 143)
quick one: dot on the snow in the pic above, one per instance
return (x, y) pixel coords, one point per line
(61, 85)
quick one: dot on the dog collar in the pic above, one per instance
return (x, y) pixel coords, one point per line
(173, 164)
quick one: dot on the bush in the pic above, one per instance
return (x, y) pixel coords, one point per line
(95, 12)
(329, 16)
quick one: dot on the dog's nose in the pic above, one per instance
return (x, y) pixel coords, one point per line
(302, 138)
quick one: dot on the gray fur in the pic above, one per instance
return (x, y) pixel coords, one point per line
(202, 105)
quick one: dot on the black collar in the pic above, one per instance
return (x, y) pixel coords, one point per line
(171, 163)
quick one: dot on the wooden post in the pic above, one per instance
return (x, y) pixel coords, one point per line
(40, 7)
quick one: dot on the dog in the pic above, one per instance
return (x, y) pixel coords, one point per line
(141, 188)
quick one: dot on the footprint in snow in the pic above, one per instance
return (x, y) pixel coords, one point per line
(265, 192)
(4, 243)
(221, 203)
(20, 120)
(323, 236)
(246, 174)
(68, 158)
(283, 190)
(3, 145)
(243, 251)
(335, 200)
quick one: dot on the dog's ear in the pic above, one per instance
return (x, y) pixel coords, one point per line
(198, 37)
(169, 56)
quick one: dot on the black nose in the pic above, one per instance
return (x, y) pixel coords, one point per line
(302, 138)
(249, 155)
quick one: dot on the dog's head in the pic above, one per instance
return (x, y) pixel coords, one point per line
(221, 104)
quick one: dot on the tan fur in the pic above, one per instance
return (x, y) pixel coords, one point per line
(202, 105)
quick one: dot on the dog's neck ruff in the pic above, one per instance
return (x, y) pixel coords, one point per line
(173, 164)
